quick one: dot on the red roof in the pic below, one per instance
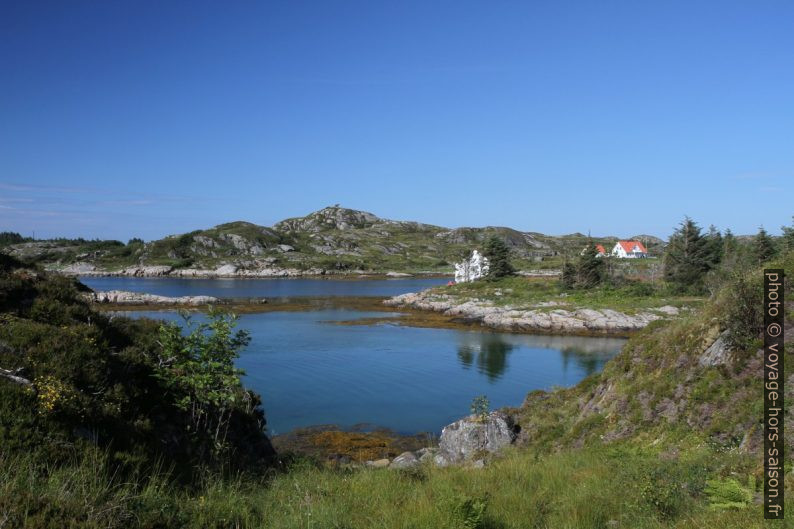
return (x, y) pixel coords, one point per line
(628, 246)
(600, 249)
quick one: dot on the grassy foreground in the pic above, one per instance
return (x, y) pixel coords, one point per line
(623, 485)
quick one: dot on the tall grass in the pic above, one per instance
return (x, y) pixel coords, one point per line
(590, 488)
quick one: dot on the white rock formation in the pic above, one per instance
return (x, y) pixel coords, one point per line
(471, 269)
(472, 435)
(123, 297)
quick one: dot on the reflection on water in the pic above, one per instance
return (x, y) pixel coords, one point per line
(405, 378)
(257, 288)
(588, 362)
(490, 350)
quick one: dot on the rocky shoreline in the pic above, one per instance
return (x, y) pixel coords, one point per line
(542, 318)
(471, 441)
(227, 271)
(123, 297)
(231, 271)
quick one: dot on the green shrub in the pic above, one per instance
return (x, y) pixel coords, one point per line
(728, 494)
(742, 310)
(468, 512)
(480, 406)
(663, 487)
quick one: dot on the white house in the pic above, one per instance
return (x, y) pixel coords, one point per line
(629, 250)
(471, 269)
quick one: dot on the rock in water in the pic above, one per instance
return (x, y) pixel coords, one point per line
(469, 437)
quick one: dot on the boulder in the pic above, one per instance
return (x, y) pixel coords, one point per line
(226, 270)
(426, 454)
(442, 460)
(404, 460)
(473, 435)
(718, 352)
(78, 269)
(378, 463)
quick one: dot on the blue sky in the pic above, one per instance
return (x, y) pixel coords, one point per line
(121, 119)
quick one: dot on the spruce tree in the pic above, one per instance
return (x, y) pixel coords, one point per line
(788, 236)
(498, 255)
(729, 245)
(590, 269)
(763, 246)
(687, 258)
(714, 246)
(568, 277)
(730, 250)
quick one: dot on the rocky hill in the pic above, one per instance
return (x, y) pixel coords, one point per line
(331, 240)
(698, 376)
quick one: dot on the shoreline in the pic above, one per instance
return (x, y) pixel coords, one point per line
(229, 271)
(540, 319)
(455, 317)
(232, 272)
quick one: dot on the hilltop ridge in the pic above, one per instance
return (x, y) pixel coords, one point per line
(328, 241)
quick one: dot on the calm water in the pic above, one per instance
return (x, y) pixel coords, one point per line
(272, 288)
(312, 371)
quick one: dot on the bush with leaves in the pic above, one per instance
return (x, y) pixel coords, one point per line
(480, 406)
(198, 369)
(467, 512)
(742, 309)
(729, 493)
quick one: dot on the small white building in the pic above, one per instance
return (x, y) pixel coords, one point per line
(471, 269)
(629, 250)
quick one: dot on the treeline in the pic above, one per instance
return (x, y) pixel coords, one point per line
(11, 237)
(694, 261)
(8, 238)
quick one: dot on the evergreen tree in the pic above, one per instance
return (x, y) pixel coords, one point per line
(763, 246)
(10, 237)
(590, 269)
(729, 245)
(788, 236)
(498, 255)
(687, 258)
(714, 246)
(568, 277)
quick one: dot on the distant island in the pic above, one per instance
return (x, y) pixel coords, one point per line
(331, 241)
